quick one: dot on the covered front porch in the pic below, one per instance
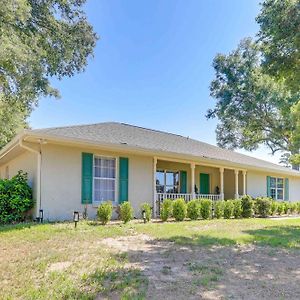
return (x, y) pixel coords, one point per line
(192, 180)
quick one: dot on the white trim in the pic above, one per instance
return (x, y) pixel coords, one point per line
(276, 188)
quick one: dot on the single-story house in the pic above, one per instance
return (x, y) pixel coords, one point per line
(75, 168)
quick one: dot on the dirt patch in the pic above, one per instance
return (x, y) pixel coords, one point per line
(59, 266)
(237, 272)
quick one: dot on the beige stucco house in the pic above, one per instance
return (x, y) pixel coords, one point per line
(77, 167)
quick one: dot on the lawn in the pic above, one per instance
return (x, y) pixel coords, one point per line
(252, 258)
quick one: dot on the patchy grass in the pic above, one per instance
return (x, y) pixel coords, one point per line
(57, 261)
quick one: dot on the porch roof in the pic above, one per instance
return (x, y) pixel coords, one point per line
(129, 136)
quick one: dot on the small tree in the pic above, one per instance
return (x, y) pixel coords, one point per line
(147, 209)
(193, 209)
(104, 212)
(219, 209)
(205, 208)
(166, 209)
(228, 209)
(179, 209)
(126, 212)
(264, 206)
(247, 206)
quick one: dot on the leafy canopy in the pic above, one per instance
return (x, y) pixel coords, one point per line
(256, 85)
(38, 40)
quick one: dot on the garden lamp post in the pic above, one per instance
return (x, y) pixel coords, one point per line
(144, 215)
(41, 215)
(76, 218)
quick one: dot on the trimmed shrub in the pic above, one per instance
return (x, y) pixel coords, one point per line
(293, 207)
(126, 212)
(104, 212)
(148, 210)
(298, 207)
(273, 207)
(228, 209)
(247, 206)
(205, 208)
(263, 205)
(193, 209)
(179, 209)
(15, 198)
(219, 209)
(166, 209)
(280, 208)
(237, 208)
(286, 208)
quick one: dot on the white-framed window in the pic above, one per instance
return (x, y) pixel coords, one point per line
(277, 188)
(104, 181)
(167, 181)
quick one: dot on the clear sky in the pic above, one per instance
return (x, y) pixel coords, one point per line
(152, 65)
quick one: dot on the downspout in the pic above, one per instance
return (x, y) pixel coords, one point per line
(38, 184)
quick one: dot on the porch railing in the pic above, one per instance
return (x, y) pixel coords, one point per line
(160, 197)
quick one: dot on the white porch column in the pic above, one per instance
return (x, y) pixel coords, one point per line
(244, 182)
(193, 180)
(236, 181)
(154, 187)
(222, 183)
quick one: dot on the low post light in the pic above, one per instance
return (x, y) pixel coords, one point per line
(76, 218)
(41, 215)
(144, 215)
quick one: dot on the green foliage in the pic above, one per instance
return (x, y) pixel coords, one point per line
(237, 208)
(147, 208)
(298, 207)
(228, 209)
(15, 198)
(219, 209)
(247, 206)
(273, 207)
(280, 208)
(264, 205)
(126, 212)
(166, 209)
(293, 207)
(39, 40)
(104, 212)
(256, 86)
(286, 208)
(179, 209)
(205, 208)
(193, 209)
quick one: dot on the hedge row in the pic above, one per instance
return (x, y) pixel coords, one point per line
(246, 207)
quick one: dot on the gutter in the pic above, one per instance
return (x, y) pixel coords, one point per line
(39, 173)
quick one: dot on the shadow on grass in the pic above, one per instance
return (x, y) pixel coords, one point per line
(277, 236)
(14, 227)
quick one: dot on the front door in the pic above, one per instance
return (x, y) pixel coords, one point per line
(204, 183)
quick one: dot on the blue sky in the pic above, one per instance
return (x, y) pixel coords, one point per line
(152, 65)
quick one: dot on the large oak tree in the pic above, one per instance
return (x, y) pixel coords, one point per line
(39, 39)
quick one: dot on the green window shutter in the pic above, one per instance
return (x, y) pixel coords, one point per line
(183, 182)
(87, 178)
(123, 179)
(268, 186)
(286, 189)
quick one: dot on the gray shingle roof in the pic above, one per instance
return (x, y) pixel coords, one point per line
(134, 136)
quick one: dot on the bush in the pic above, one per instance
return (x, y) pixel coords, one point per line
(147, 208)
(280, 208)
(179, 209)
(166, 209)
(228, 209)
(104, 212)
(247, 206)
(263, 205)
(193, 209)
(237, 208)
(293, 207)
(286, 207)
(126, 212)
(15, 198)
(219, 209)
(298, 207)
(273, 207)
(205, 208)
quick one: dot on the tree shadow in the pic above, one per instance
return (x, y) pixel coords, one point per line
(15, 227)
(277, 236)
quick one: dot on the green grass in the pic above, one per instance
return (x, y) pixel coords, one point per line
(27, 252)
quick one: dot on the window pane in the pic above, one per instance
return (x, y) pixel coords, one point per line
(279, 194)
(160, 178)
(172, 178)
(273, 193)
(105, 167)
(104, 189)
(273, 182)
(171, 189)
(279, 183)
